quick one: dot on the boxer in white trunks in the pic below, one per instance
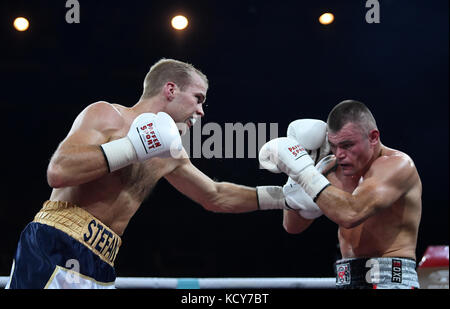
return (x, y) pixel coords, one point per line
(371, 191)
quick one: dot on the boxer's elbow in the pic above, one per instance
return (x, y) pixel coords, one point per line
(211, 201)
(209, 205)
(293, 223)
(347, 223)
(55, 179)
(293, 229)
(57, 176)
(349, 219)
(356, 217)
(347, 212)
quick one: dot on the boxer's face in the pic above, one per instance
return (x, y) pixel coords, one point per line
(187, 104)
(351, 148)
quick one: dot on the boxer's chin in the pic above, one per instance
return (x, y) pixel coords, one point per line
(347, 169)
(182, 127)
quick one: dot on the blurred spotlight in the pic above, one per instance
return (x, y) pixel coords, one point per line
(179, 22)
(21, 24)
(326, 18)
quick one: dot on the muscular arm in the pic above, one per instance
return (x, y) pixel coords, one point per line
(293, 223)
(78, 158)
(214, 196)
(385, 182)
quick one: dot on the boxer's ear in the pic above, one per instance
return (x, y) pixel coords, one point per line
(374, 137)
(169, 90)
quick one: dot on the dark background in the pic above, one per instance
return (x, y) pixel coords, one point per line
(267, 61)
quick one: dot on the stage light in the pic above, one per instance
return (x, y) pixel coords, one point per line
(179, 22)
(326, 18)
(21, 24)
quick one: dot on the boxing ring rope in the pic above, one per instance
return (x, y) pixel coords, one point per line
(217, 283)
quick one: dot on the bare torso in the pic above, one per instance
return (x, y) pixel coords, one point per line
(390, 233)
(115, 197)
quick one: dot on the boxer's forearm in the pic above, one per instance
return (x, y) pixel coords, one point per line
(343, 208)
(76, 164)
(232, 198)
(212, 195)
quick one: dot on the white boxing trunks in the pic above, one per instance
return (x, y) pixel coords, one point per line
(376, 273)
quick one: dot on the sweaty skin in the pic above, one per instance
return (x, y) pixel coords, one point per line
(383, 220)
(375, 198)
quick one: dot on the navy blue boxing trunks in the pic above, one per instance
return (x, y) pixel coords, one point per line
(376, 273)
(64, 247)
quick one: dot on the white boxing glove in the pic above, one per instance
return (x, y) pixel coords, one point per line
(285, 155)
(297, 199)
(311, 134)
(149, 136)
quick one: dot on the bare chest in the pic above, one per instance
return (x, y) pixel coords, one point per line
(136, 181)
(139, 179)
(380, 234)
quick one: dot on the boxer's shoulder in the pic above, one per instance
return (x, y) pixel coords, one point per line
(106, 110)
(392, 157)
(396, 166)
(103, 116)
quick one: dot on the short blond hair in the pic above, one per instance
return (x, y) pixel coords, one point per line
(169, 70)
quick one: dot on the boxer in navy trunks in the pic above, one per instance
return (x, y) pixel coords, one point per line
(103, 170)
(65, 247)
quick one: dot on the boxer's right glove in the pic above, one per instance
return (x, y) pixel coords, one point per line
(286, 155)
(149, 136)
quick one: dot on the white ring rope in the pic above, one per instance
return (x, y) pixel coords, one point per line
(217, 283)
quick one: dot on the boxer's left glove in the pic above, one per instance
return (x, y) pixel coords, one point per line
(297, 199)
(285, 155)
(149, 136)
(291, 197)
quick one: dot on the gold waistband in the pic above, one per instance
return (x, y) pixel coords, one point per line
(82, 226)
